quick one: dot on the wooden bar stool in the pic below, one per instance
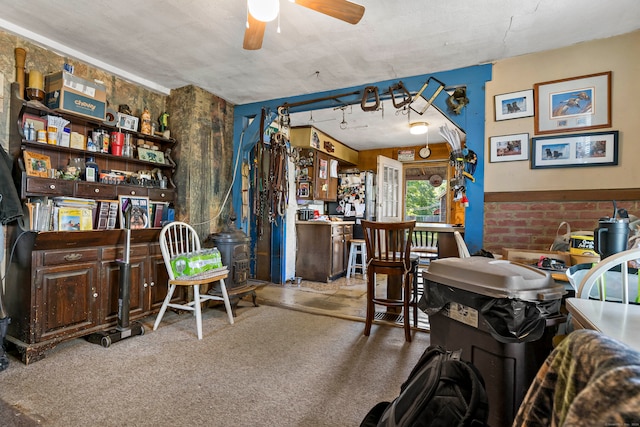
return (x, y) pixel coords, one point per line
(358, 247)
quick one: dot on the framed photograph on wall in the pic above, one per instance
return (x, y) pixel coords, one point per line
(139, 211)
(37, 164)
(509, 148)
(577, 103)
(514, 105)
(568, 151)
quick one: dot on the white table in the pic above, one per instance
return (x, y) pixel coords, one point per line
(619, 321)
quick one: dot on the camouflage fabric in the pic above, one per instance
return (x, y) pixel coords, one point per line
(588, 380)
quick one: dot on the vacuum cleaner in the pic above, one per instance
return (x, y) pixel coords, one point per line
(4, 324)
(123, 328)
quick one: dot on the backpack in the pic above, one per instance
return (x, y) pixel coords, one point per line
(441, 391)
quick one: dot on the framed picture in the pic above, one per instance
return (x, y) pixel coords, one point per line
(303, 190)
(139, 211)
(39, 123)
(514, 105)
(567, 151)
(37, 164)
(153, 156)
(509, 148)
(127, 122)
(577, 103)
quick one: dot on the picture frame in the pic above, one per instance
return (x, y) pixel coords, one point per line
(514, 105)
(303, 190)
(140, 216)
(567, 151)
(153, 156)
(576, 103)
(128, 122)
(509, 148)
(39, 123)
(36, 164)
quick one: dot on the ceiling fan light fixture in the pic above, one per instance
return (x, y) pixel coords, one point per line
(264, 10)
(418, 128)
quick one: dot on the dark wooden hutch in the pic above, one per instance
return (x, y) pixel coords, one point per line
(64, 284)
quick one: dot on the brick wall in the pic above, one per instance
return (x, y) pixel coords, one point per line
(533, 225)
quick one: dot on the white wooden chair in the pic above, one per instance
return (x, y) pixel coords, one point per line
(178, 238)
(609, 281)
(463, 251)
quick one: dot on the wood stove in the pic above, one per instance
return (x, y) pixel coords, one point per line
(233, 245)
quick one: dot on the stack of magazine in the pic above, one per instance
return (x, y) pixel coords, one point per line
(72, 214)
(60, 214)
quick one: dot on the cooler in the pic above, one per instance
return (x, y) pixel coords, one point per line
(502, 315)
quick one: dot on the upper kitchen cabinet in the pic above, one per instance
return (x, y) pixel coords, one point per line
(320, 158)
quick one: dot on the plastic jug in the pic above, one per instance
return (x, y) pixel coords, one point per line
(611, 236)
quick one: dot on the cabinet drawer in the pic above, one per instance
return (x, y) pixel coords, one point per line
(161, 194)
(347, 229)
(95, 190)
(113, 253)
(65, 257)
(129, 190)
(52, 187)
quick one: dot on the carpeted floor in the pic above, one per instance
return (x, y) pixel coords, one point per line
(273, 367)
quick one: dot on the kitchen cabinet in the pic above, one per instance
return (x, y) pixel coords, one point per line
(323, 249)
(325, 186)
(314, 180)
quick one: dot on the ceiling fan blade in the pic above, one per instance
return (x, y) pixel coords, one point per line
(254, 34)
(339, 9)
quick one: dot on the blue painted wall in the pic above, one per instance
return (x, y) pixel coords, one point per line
(245, 135)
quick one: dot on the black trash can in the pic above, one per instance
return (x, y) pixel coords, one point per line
(502, 315)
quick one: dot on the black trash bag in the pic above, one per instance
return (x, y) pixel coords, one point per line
(507, 320)
(4, 360)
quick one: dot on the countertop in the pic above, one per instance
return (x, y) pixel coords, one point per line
(326, 222)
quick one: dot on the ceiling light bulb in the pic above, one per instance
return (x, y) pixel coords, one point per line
(264, 10)
(418, 128)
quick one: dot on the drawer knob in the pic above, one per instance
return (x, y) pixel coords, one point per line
(72, 257)
(52, 186)
(95, 295)
(133, 192)
(163, 195)
(97, 190)
(152, 284)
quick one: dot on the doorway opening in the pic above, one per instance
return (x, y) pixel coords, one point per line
(426, 192)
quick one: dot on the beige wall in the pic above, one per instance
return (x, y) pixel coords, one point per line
(621, 55)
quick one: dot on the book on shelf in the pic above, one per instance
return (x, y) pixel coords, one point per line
(158, 213)
(74, 219)
(102, 215)
(112, 218)
(74, 202)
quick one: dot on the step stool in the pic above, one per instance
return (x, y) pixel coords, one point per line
(358, 247)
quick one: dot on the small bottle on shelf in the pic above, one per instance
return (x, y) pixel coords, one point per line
(91, 170)
(91, 145)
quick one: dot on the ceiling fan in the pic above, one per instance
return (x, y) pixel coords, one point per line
(339, 9)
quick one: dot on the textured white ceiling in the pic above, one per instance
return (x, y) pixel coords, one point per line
(166, 44)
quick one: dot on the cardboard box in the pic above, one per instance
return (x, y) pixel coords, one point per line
(66, 92)
(531, 257)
